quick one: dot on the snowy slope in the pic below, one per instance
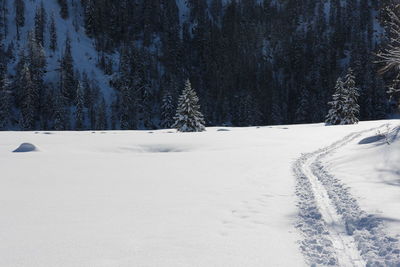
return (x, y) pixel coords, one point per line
(83, 50)
(225, 197)
(370, 167)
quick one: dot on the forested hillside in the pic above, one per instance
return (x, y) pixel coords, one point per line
(100, 64)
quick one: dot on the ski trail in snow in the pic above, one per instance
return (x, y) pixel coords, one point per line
(335, 230)
(343, 244)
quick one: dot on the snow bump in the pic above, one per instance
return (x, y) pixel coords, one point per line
(26, 147)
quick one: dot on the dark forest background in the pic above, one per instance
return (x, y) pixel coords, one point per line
(251, 63)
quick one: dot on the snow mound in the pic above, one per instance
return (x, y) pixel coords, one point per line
(372, 139)
(26, 147)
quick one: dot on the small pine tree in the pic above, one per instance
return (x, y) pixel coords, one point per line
(335, 114)
(188, 117)
(167, 111)
(351, 108)
(344, 108)
(79, 113)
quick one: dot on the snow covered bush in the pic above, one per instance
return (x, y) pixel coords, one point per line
(188, 117)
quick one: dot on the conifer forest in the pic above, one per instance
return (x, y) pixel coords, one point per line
(98, 64)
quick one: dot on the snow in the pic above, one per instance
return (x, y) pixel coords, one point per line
(224, 197)
(370, 167)
(25, 147)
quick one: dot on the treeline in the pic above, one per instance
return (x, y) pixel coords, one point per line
(251, 62)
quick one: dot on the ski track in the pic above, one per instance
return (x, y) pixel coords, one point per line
(335, 230)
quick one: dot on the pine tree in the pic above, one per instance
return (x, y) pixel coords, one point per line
(40, 24)
(167, 111)
(146, 106)
(79, 113)
(90, 22)
(67, 75)
(126, 108)
(301, 115)
(53, 33)
(5, 103)
(101, 119)
(344, 106)
(3, 18)
(335, 114)
(28, 104)
(351, 109)
(36, 60)
(64, 11)
(5, 97)
(59, 117)
(188, 117)
(19, 15)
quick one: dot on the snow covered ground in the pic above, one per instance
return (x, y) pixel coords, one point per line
(225, 197)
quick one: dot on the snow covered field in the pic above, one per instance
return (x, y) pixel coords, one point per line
(225, 197)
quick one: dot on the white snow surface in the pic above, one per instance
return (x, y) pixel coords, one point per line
(370, 167)
(225, 197)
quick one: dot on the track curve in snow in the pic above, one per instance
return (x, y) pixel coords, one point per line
(335, 230)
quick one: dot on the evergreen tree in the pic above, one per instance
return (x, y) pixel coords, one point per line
(64, 11)
(5, 103)
(53, 33)
(36, 60)
(101, 119)
(147, 109)
(248, 114)
(90, 17)
(126, 121)
(67, 75)
(3, 18)
(60, 115)
(351, 109)
(301, 115)
(79, 112)
(40, 24)
(28, 104)
(167, 111)
(335, 115)
(19, 15)
(188, 117)
(344, 106)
